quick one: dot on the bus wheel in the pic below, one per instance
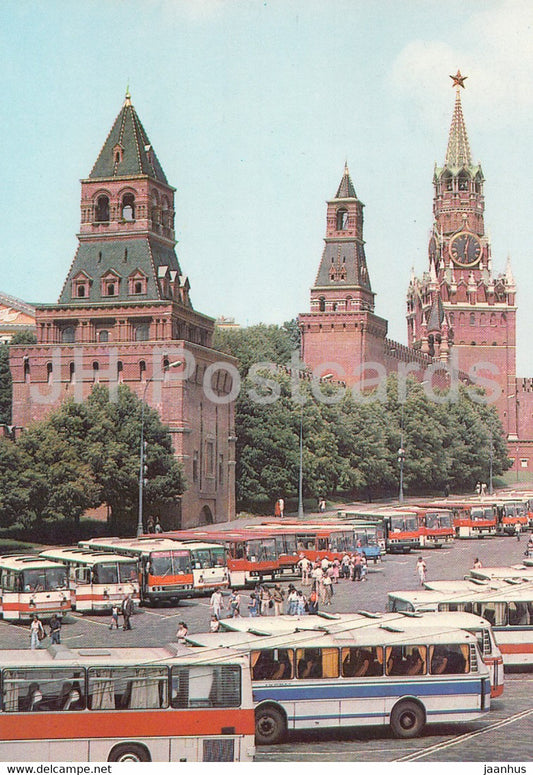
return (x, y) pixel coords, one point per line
(270, 726)
(407, 719)
(129, 752)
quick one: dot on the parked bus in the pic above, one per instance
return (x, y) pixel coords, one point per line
(29, 585)
(470, 519)
(97, 580)
(510, 512)
(509, 609)
(435, 525)
(400, 526)
(327, 539)
(170, 570)
(376, 676)
(363, 620)
(125, 705)
(251, 555)
(518, 572)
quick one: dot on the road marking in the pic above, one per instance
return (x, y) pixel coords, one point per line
(468, 736)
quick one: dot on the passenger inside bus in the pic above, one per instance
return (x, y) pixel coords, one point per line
(34, 697)
(70, 697)
(310, 665)
(356, 663)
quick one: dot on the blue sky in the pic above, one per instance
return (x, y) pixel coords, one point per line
(253, 108)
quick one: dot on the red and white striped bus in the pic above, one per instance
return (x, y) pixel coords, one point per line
(29, 585)
(169, 704)
(170, 570)
(97, 580)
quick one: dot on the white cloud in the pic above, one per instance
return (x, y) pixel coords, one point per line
(494, 49)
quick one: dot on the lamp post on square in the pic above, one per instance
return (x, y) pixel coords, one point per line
(143, 448)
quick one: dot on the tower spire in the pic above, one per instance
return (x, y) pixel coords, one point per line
(458, 152)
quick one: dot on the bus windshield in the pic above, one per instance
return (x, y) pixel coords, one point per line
(170, 563)
(436, 519)
(105, 573)
(404, 524)
(481, 513)
(44, 579)
(261, 549)
(127, 571)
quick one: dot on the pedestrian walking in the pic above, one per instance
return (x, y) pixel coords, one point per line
(301, 603)
(157, 526)
(292, 601)
(364, 568)
(182, 632)
(322, 505)
(150, 528)
(37, 633)
(216, 603)
(327, 586)
(278, 596)
(304, 566)
(517, 530)
(357, 563)
(127, 611)
(265, 598)
(477, 563)
(214, 624)
(234, 604)
(114, 616)
(55, 630)
(312, 603)
(421, 569)
(253, 605)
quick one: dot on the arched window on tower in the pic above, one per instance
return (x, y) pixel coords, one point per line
(447, 181)
(96, 371)
(103, 335)
(26, 369)
(128, 207)
(49, 373)
(472, 319)
(142, 370)
(342, 219)
(101, 214)
(322, 304)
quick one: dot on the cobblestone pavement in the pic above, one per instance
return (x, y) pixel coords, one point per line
(504, 735)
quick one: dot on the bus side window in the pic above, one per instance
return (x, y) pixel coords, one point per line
(309, 663)
(355, 662)
(449, 659)
(43, 689)
(517, 614)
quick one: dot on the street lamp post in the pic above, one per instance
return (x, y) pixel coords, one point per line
(142, 449)
(401, 459)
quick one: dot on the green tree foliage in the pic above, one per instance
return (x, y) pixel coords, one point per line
(6, 391)
(85, 455)
(350, 443)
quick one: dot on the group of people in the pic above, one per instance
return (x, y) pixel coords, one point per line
(353, 567)
(38, 633)
(153, 526)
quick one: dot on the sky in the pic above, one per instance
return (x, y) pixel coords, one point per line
(253, 107)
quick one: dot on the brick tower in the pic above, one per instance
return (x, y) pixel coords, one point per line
(459, 305)
(124, 314)
(342, 334)
(342, 327)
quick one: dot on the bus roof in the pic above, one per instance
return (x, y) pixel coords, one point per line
(83, 556)
(143, 545)
(63, 656)
(26, 562)
(503, 572)
(376, 635)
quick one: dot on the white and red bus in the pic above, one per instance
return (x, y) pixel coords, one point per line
(169, 704)
(471, 519)
(509, 513)
(97, 580)
(29, 585)
(317, 540)
(508, 608)
(402, 528)
(170, 570)
(436, 526)
(252, 555)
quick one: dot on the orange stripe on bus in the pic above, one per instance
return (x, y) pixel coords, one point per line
(101, 724)
(516, 648)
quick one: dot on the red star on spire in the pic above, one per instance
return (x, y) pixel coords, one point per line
(458, 79)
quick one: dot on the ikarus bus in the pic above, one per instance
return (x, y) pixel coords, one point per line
(32, 585)
(97, 580)
(376, 676)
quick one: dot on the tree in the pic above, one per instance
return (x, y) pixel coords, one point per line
(6, 390)
(85, 455)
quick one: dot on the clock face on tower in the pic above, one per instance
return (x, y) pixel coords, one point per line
(465, 249)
